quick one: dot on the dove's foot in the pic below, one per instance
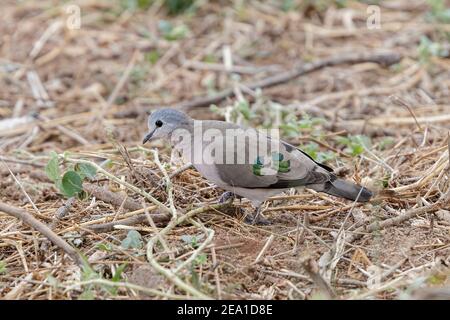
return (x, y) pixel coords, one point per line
(257, 219)
(226, 196)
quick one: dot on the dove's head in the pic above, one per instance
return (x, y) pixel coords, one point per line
(163, 122)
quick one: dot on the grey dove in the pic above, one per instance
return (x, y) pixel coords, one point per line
(246, 162)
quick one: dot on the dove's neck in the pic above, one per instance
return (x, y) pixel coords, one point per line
(182, 140)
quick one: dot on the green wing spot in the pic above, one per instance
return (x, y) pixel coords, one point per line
(284, 166)
(258, 165)
(257, 169)
(259, 160)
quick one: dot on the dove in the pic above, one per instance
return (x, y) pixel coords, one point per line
(246, 162)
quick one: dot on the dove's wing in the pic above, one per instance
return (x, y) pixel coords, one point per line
(284, 168)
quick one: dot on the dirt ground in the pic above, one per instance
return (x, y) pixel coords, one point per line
(83, 91)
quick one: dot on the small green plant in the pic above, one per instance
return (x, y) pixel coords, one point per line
(104, 247)
(193, 241)
(70, 183)
(428, 49)
(240, 112)
(313, 150)
(139, 74)
(133, 240)
(173, 7)
(136, 4)
(199, 261)
(3, 268)
(117, 277)
(385, 143)
(152, 56)
(439, 11)
(171, 32)
(210, 58)
(293, 127)
(354, 145)
(88, 273)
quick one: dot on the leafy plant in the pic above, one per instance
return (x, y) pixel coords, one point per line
(133, 240)
(178, 6)
(173, 7)
(136, 4)
(171, 32)
(117, 277)
(152, 56)
(313, 150)
(385, 143)
(87, 273)
(193, 241)
(439, 11)
(195, 278)
(3, 268)
(104, 247)
(428, 49)
(293, 127)
(201, 259)
(240, 112)
(354, 145)
(71, 182)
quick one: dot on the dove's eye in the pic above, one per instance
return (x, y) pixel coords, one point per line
(158, 123)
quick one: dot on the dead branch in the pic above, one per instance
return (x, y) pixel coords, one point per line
(113, 198)
(141, 218)
(383, 58)
(28, 219)
(375, 226)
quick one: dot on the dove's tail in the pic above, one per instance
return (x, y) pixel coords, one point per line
(347, 190)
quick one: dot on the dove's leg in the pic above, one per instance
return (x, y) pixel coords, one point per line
(227, 195)
(257, 218)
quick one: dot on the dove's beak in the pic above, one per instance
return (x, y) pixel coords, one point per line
(148, 136)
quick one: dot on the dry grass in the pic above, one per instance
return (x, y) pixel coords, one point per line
(87, 91)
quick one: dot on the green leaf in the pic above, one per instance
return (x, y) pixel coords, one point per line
(244, 108)
(164, 26)
(195, 279)
(133, 240)
(85, 170)
(117, 277)
(171, 32)
(152, 56)
(343, 140)
(71, 183)
(386, 142)
(108, 163)
(201, 259)
(104, 247)
(312, 149)
(325, 156)
(192, 240)
(118, 274)
(3, 268)
(428, 49)
(52, 168)
(177, 6)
